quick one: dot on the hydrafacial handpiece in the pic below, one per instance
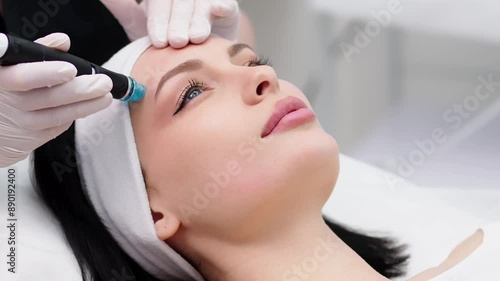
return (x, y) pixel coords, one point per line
(14, 50)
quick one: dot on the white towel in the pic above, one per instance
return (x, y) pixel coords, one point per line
(111, 174)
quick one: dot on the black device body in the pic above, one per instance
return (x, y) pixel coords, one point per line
(24, 51)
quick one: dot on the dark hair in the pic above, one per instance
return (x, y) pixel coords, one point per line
(100, 257)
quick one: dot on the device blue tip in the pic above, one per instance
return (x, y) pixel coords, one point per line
(138, 91)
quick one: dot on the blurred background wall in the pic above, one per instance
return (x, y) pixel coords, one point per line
(409, 86)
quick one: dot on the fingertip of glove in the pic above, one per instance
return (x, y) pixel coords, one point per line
(178, 41)
(158, 31)
(95, 105)
(198, 39)
(61, 38)
(224, 8)
(103, 82)
(105, 101)
(157, 40)
(199, 35)
(67, 70)
(158, 43)
(56, 40)
(108, 99)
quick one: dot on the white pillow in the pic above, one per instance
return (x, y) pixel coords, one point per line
(364, 197)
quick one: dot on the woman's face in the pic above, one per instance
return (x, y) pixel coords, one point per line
(209, 172)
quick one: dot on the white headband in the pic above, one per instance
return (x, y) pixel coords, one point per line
(111, 175)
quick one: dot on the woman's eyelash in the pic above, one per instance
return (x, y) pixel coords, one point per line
(261, 60)
(200, 86)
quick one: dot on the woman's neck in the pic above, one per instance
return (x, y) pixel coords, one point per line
(309, 251)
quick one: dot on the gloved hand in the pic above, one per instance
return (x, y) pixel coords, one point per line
(40, 100)
(176, 22)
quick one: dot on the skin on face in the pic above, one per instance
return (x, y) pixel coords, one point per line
(209, 174)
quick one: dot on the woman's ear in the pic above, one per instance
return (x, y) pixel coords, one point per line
(166, 223)
(166, 226)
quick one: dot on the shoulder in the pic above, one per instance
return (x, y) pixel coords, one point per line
(458, 254)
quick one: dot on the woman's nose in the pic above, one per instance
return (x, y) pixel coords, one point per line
(262, 82)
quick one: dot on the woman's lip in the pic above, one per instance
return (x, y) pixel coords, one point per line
(288, 113)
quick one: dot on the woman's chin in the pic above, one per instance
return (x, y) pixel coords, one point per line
(322, 168)
(310, 156)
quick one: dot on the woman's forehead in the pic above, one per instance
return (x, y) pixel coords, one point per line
(171, 57)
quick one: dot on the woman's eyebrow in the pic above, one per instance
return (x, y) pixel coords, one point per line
(237, 48)
(194, 65)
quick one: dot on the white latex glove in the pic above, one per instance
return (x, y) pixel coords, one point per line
(177, 22)
(40, 100)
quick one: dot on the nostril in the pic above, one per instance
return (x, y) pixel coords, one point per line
(262, 86)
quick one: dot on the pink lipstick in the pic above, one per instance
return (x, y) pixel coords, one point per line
(288, 113)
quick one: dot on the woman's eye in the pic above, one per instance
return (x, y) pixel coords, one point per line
(193, 90)
(193, 94)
